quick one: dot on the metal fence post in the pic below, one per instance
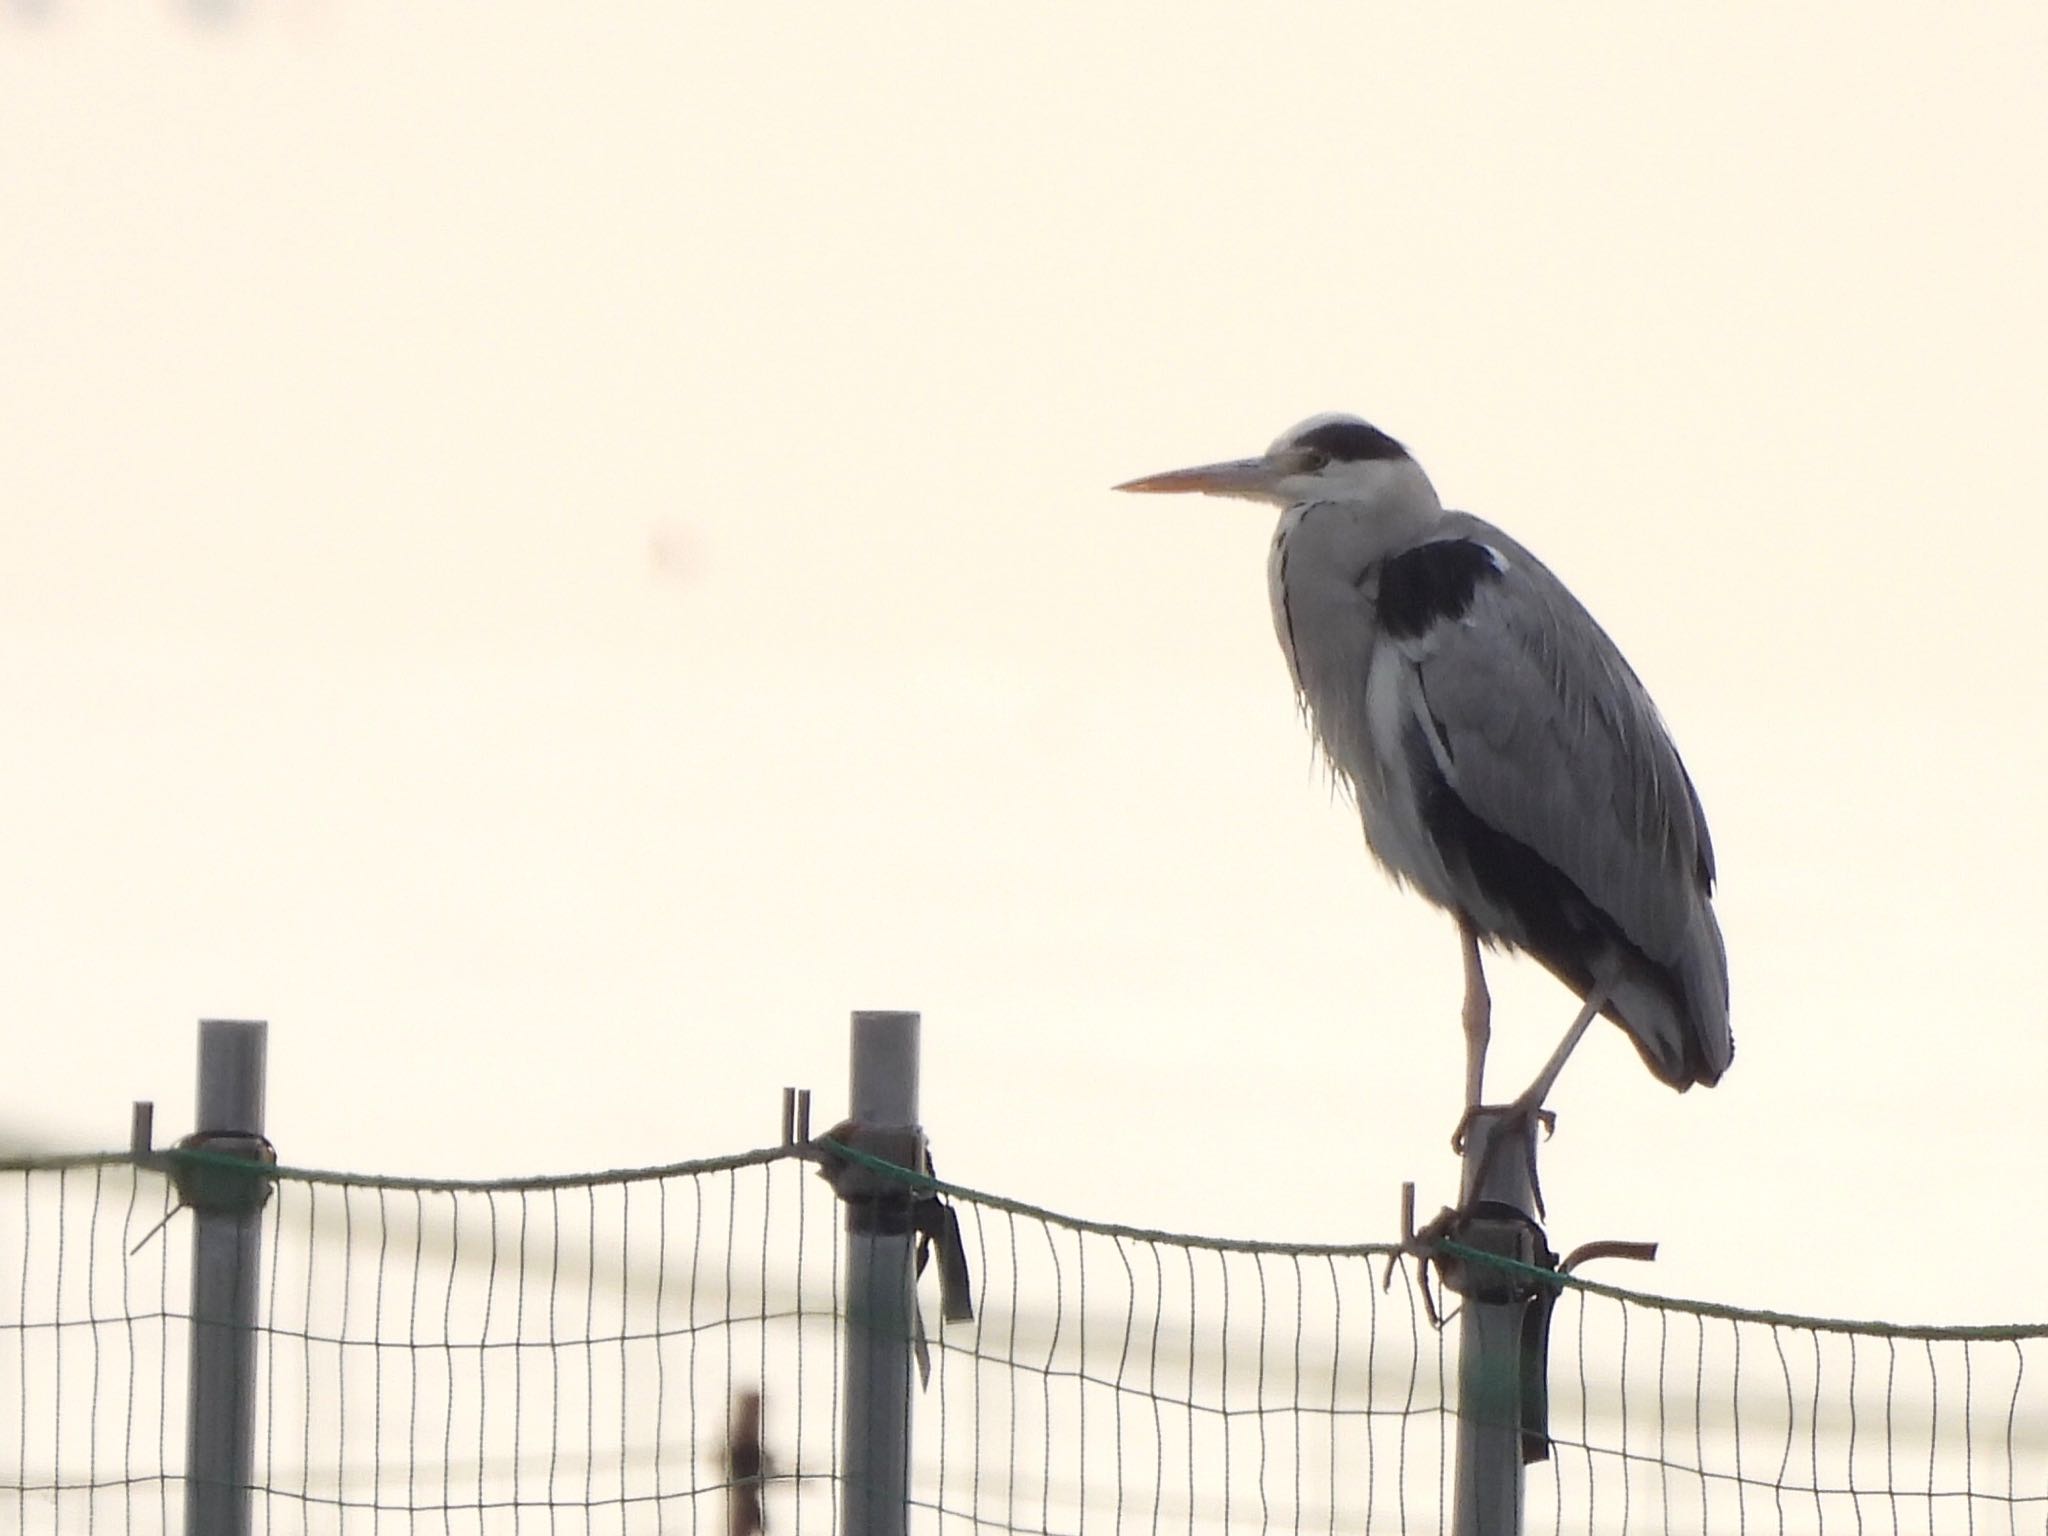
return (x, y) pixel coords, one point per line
(875, 1421)
(227, 1220)
(1497, 1205)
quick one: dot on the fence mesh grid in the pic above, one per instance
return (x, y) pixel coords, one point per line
(578, 1355)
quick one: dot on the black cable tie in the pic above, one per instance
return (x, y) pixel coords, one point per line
(879, 1203)
(1502, 1231)
(938, 1229)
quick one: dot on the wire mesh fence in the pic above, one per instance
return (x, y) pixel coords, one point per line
(585, 1355)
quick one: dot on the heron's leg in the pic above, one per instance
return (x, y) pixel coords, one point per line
(1530, 1100)
(1478, 1020)
(1528, 1104)
(1478, 1016)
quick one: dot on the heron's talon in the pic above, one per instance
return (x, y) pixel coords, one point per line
(1464, 1127)
(1516, 1111)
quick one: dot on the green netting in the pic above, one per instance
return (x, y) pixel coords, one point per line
(568, 1354)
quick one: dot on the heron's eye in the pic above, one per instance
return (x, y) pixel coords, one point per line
(1314, 461)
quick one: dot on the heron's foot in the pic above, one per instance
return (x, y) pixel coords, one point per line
(1531, 1114)
(1516, 1121)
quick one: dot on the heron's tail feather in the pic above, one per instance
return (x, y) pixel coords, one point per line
(1678, 1015)
(1705, 975)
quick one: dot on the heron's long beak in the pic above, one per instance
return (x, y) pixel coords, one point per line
(1235, 477)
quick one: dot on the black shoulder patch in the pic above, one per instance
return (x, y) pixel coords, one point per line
(1351, 441)
(1432, 583)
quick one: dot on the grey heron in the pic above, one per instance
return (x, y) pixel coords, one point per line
(1505, 760)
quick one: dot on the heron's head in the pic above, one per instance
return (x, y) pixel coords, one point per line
(1326, 458)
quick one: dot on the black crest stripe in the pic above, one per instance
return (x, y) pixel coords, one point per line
(1350, 441)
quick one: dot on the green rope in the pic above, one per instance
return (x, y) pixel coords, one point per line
(1963, 1333)
(162, 1161)
(926, 1184)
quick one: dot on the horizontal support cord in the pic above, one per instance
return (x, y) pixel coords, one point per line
(159, 1162)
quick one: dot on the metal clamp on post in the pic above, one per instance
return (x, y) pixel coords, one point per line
(878, 1202)
(881, 1204)
(1503, 1232)
(1498, 1230)
(1509, 1234)
(212, 1181)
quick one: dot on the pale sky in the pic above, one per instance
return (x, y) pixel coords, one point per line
(553, 551)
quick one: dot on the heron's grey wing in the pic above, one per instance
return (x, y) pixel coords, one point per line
(1549, 738)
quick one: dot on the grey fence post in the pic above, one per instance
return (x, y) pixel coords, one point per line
(227, 1219)
(875, 1421)
(1487, 1488)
